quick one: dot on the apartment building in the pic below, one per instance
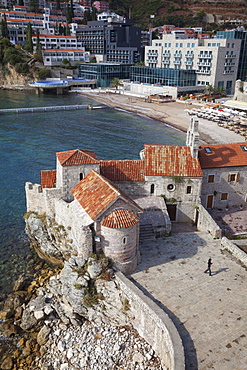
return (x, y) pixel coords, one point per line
(214, 60)
(55, 57)
(57, 42)
(112, 40)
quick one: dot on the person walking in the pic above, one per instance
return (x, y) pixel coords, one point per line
(210, 262)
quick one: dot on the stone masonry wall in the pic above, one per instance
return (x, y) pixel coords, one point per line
(154, 325)
(235, 250)
(207, 223)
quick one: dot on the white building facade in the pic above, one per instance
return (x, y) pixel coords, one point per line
(214, 60)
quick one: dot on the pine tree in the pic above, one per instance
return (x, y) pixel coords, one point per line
(67, 31)
(29, 40)
(68, 15)
(4, 28)
(72, 9)
(38, 54)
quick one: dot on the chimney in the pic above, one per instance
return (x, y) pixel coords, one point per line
(192, 139)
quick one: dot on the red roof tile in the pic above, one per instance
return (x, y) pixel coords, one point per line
(120, 218)
(126, 170)
(171, 160)
(223, 155)
(77, 157)
(95, 194)
(48, 178)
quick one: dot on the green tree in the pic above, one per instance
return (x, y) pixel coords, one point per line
(94, 14)
(72, 9)
(4, 28)
(58, 7)
(38, 53)
(116, 82)
(34, 6)
(68, 15)
(67, 30)
(21, 3)
(209, 89)
(221, 91)
(29, 40)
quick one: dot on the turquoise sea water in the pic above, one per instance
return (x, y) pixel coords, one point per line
(29, 142)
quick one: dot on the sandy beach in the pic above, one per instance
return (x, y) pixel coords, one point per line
(172, 113)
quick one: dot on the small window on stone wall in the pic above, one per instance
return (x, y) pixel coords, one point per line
(170, 187)
(124, 241)
(210, 178)
(224, 196)
(81, 176)
(189, 188)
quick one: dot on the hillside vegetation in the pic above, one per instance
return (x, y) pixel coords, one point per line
(181, 13)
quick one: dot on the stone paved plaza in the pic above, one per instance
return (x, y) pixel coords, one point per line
(210, 312)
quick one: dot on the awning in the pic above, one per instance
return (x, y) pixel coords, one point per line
(236, 104)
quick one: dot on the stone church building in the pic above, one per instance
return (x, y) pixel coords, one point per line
(103, 204)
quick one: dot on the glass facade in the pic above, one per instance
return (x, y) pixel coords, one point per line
(104, 73)
(163, 76)
(241, 35)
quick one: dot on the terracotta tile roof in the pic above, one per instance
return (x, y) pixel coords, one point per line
(170, 160)
(77, 157)
(95, 194)
(223, 155)
(120, 218)
(126, 170)
(48, 178)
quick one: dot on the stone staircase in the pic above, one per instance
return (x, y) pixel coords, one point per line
(147, 233)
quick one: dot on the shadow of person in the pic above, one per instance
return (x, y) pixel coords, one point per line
(224, 269)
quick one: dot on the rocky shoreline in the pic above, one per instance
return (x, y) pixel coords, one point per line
(70, 318)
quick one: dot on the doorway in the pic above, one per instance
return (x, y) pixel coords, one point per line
(172, 211)
(210, 201)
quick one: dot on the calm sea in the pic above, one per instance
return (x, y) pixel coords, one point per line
(29, 142)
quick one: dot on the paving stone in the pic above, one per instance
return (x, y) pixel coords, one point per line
(208, 311)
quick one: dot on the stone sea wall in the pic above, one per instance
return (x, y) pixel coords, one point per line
(154, 325)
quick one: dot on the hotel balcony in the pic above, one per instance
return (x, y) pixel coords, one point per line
(201, 71)
(229, 64)
(189, 55)
(177, 55)
(188, 63)
(207, 64)
(166, 61)
(230, 56)
(205, 56)
(228, 72)
(177, 62)
(166, 54)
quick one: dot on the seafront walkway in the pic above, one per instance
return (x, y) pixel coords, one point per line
(210, 312)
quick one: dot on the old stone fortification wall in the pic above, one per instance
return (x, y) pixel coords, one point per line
(235, 250)
(240, 93)
(154, 325)
(207, 223)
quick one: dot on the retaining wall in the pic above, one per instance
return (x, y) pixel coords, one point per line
(154, 325)
(207, 223)
(235, 250)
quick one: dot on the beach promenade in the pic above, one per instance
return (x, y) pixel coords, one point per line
(210, 312)
(172, 113)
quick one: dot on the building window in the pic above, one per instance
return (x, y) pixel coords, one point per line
(210, 178)
(124, 240)
(233, 177)
(188, 191)
(224, 196)
(81, 176)
(171, 187)
(152, 189)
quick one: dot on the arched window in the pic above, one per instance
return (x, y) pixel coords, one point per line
(152, 189)
(124, 240)
(81, 176)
